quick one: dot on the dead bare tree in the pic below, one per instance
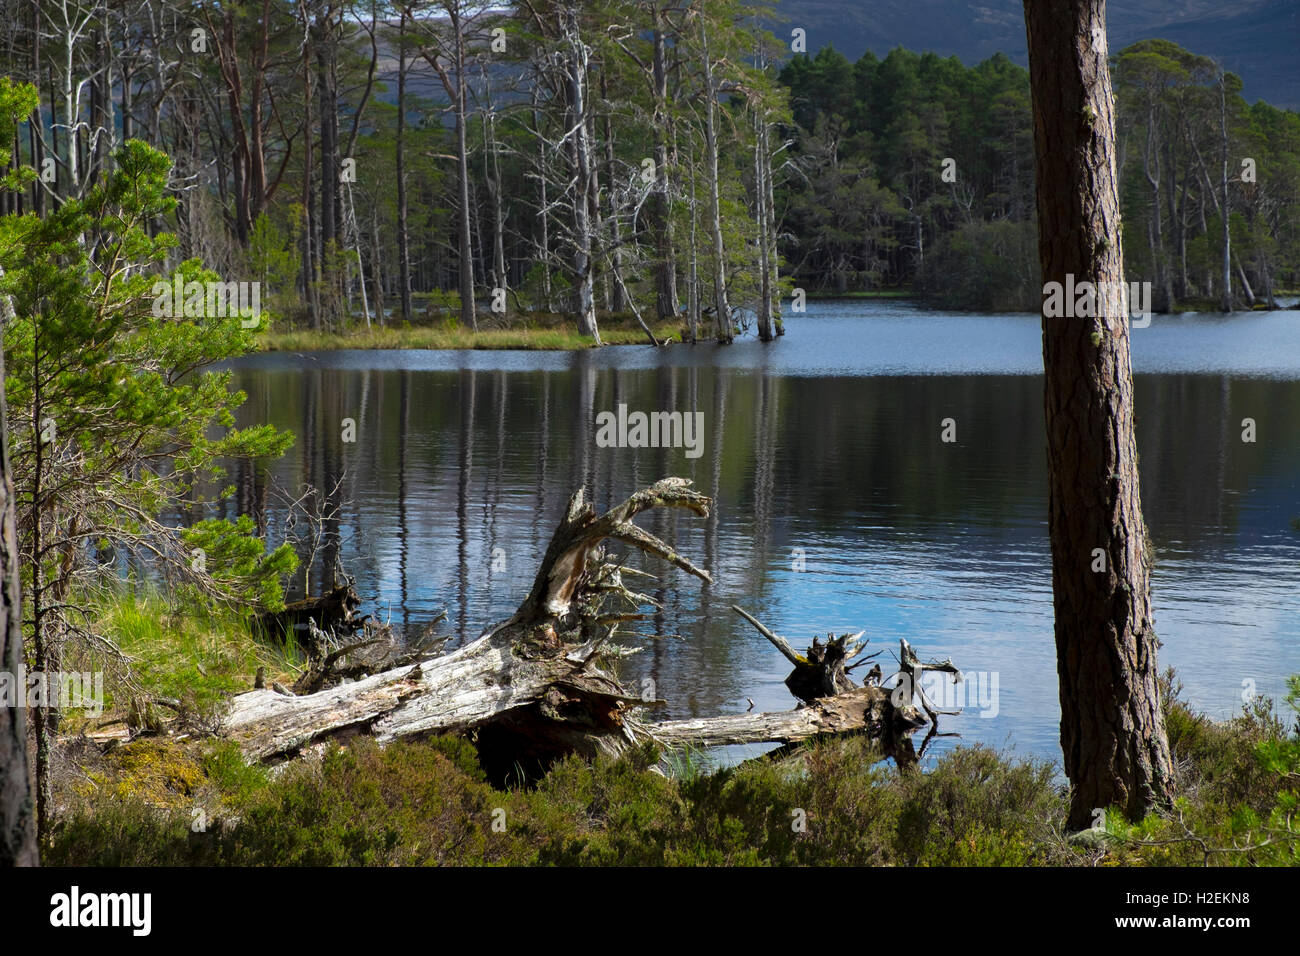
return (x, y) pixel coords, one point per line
(564, 68)
(722, 309)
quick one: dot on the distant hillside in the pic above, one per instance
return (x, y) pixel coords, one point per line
(1254, 38)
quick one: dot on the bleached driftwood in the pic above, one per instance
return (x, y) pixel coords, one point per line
(868, 709)
(538, 685)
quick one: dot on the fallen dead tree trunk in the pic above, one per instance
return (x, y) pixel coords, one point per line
(868, 709)
(539, 685)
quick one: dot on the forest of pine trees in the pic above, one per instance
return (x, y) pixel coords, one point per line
(875, 208)
(372, 161)
(657, 160)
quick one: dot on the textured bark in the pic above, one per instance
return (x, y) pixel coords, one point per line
(17, 820)
(1112, 728)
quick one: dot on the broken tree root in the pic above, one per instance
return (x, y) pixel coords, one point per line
(832, 703)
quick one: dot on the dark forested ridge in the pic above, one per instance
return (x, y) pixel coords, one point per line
(875, 206)
(1253, 38)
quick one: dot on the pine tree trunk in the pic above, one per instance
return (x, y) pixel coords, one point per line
(582, 164)
(722, 310)
(17, 830)
(70, 125)
(774, 254)
(1155, 232)
(760, 214)
(543, 215)
(468, 314)
(36, 143)
(1112, 727)
(1225, 207)
(1246, 290)
(661, 206)
(1173, 283)
(329, 169)
(619, 300)
(44, 655)
(376, 267)
(500, 278)
(309, 224)
(693, 286)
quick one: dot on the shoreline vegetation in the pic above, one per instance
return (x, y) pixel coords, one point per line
(522, 332)
(175, 796)
(556, 333)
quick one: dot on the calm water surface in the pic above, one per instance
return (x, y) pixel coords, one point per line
(839, 507)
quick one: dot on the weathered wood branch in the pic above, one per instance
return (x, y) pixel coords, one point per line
(537, 681)
(866, 709)
(912, 669)
(537, 686)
